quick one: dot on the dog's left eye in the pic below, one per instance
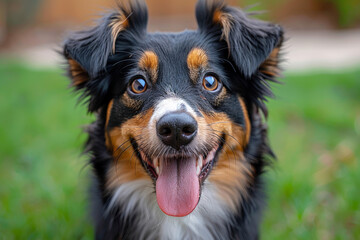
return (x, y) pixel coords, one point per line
(210, 83)
(138, 86)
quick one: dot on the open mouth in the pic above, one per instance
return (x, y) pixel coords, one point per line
(178, 178)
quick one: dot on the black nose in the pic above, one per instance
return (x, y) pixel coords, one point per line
(176, 129)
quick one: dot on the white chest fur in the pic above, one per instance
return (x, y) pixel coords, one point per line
(205, 222)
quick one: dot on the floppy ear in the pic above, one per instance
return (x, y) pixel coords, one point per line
(252, 44)
(87, 52)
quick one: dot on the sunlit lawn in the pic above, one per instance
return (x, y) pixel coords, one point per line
(313, 187)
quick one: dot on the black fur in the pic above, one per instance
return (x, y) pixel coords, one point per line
(236, 58)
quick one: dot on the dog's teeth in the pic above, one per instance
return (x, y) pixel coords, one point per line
(156, 165)
(198, 170)
(157, 170)
(143, 156)
(156, 162)
(199, 162)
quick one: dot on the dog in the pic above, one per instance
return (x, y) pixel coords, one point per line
(179, 145)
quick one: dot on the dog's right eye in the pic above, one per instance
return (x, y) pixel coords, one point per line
(210, 83)
(138, 86)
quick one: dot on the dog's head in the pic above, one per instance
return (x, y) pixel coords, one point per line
(179, 104)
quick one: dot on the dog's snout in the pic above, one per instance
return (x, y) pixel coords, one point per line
(176, 129)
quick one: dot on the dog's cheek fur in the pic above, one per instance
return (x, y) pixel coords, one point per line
(126, 166)
(233, 173)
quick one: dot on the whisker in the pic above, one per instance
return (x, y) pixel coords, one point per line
(118, 62)
(117, 158)
(120, 153)
(230, 136)
(118, 148)
(122, 51)
(210, 124)
(129, 65)
(136, 136)
(224, 142)
(225, 60)
(131, 159)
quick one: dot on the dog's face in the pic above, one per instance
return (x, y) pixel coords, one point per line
(180, 105)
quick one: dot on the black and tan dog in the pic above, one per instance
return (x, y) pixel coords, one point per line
(179, 145)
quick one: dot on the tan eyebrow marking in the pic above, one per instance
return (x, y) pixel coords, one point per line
(221, 96)
(149, 61)
(196, 59)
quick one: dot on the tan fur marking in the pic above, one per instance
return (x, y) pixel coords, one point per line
(221, 123)
(126, 167)
(117, 25)
(78, 74)
(247, 120)
(270, 65)
(196, 59)
(225, 20)
(108, 112)
(149, 61)
(129, 102)
(231, 177)
(222, 95)
(232, 171)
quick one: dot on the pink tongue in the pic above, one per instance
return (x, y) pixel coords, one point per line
(177, 187)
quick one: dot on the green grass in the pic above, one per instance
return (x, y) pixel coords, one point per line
(43, 189)
(315, 132)
(313, 186)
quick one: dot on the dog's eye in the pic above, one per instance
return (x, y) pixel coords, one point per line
(138, 86)
(210, 83)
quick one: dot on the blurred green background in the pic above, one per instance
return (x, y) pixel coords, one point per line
(314, 121)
